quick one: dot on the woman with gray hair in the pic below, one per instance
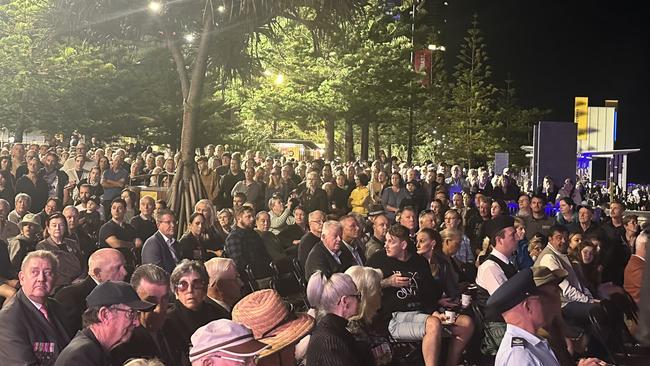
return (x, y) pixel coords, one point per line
(338, 300)
(190, 311)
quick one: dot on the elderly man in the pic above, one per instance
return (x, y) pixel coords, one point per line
(245, 247)
(8, 229)
(223, 342)
(276, 249)
(149, 340)
(111, 316)
(327, 256)
(76, 233)
(312, 237)
(162, 248)
(22, 203)
(32, 332)
(635, 267)
(106, 264)
(224, 287)
(144, 223)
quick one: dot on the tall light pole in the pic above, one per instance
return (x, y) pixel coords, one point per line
(409, 147)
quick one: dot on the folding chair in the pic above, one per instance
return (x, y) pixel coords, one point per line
(287, 282)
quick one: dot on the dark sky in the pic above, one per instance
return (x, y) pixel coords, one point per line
(556, 50)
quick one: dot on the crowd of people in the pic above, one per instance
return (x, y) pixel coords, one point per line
(397, 264)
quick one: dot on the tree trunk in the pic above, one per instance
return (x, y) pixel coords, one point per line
(186, 188)
(329, 132)
(365, 140)
(375, 138)
(349, 141)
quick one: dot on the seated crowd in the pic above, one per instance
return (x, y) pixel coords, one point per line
(395, 264)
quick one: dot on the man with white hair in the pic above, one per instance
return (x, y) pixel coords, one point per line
(106, 264)
(224, 287)
(327, 256)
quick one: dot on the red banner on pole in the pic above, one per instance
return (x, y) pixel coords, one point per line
(422, 62)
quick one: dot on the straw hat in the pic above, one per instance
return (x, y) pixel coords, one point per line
(267, 316)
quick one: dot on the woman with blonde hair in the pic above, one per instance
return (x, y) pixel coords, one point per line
(337, 300)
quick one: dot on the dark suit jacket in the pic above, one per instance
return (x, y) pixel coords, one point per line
(73, 299)
(24, 328)
(155, 250)
(85, 350)
(320, 259)
(142, 345)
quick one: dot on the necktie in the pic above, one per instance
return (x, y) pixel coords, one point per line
(174, 246)
(43, 311)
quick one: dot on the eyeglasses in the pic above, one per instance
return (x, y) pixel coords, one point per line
(130, 313)
(195, 285)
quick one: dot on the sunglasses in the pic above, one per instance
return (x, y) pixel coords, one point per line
(195, 285)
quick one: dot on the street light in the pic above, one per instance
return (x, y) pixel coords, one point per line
(434, 47)
(155, 7)
(189, 38)
(221, 9)
(279, 79)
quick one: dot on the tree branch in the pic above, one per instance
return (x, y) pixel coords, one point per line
(179, 60)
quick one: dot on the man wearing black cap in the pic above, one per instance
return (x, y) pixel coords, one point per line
(497, 268)
(529, 301)
(111, 316)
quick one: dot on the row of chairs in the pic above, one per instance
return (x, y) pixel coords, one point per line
(287, 279)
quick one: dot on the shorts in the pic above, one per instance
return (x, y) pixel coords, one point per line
(408, 325)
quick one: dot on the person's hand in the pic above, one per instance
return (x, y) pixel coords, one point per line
(12, 283)
(594, 301)
(447, 302)
(591, 362)
(397, 280)
(442, 317)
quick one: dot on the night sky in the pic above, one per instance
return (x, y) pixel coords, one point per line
(556, 50)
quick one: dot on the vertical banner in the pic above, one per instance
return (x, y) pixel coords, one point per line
(501, 161)
(581, 116)
(422, 63)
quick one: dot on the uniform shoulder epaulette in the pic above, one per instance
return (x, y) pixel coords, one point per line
(517, 342)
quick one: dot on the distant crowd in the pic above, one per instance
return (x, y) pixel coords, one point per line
(381, 263)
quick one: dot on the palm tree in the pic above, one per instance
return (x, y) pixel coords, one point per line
(224, 30)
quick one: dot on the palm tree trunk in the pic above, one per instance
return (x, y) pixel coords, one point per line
(329, 132)
(349, 141)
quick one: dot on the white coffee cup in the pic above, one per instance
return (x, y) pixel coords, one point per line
(451, 316)
(465, 300)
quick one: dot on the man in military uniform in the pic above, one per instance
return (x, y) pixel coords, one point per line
(529, 301)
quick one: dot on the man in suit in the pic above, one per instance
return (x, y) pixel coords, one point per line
(32, 332)
(329, 255)
(112, 315)
(635, 266)
(106, 264)
(161, 248)
(312, 237)
(149, 340)
(350, 232)
(224, 287)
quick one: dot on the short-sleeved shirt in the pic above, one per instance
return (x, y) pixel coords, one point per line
(126, 232)
(518, 347)
(110, 174)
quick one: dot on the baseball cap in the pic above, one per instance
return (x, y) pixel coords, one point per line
(117, 292)
(522, 285)
(226, 336)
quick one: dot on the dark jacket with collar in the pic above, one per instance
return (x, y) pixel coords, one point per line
(25, 329)
(332, 345)
(320, 259)
(142, 345)
(156, 251)
(73, 299)
(84, 350)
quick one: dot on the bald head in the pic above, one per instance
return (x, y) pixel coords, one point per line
(106, 264)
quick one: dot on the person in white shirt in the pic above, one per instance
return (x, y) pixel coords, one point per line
(497, 268)
(529, 301)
